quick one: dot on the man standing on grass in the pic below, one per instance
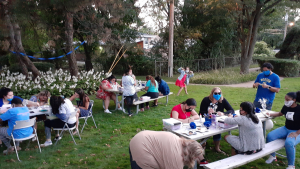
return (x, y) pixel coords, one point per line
(267, 84)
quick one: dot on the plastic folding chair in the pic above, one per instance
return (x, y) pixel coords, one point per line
(66, 127)
(90, 115)
(25, 124)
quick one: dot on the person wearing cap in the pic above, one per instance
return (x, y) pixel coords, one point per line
(16, 113)
(267, 84)
(291, 131)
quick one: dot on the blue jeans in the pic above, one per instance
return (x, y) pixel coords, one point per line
(290, 143)
(217, 137)
(257, 104)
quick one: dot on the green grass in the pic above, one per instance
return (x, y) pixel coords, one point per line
(107, 146)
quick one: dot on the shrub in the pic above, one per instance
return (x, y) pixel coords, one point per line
(283, 67)
(261, 50)
(225, 76)
(41, 66)
(291, 44)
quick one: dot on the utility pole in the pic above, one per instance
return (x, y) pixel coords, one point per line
(286, 18)
(171, 36)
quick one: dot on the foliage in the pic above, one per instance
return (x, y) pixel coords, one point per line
(106, 147)
(41, 66)
(272, 39)
(291, 44)
(284, 67)
(223, 76)
(58, 83)
(4, 60)
(261, 49)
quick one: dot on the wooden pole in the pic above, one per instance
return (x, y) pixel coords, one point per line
(115, 59)
(171, 34)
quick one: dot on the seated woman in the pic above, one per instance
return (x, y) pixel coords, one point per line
(41, 98)
(251, 137)
(291, 131)
(185, 112)
(160, 149)
(129, 90)
(7, 95)
(83, 104)
(152, 90)
(105, 95)
(215, 101)
(62, 108)
(163, 88)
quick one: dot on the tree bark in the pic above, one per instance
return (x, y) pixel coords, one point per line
(69, 43)
(88, 57)
(19, 48)
(248, 43)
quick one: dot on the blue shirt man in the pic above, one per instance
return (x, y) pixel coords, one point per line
(267, 84)
(17, 113)
(163, 87)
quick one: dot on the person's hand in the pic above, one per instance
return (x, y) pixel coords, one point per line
(293, 134)
(256, 84)
(236, 115)
(37, 104)
(191, 119)
(265, 85)
(269, 114)
(76, 95)
(191, 72)
(210, 111)
(220, 113)
(230, 115)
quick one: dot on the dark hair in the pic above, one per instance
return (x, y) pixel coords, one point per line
(55, 102)
(190, 102)
(298, 96)
(127, 71)
(149, 77)
(16, 101)
(110, 78)
(82, 95)
(292, 95)
(267, 65)
(4, 91)
(158, 79)
(250, 109)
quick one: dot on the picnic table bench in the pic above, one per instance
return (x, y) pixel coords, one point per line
(240, 159)
(137, 103)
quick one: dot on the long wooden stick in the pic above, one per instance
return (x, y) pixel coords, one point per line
(118, 61)
(115, 59)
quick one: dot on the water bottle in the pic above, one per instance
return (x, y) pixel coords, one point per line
(213, 121)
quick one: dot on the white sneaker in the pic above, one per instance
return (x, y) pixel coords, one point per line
(290, 167)
(120, 108)
(47, 143)
(270, 159)
(107, 111)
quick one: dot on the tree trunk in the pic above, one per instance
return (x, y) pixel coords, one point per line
(19, 48)
(69, 44)
(88, 57)
(248, 43)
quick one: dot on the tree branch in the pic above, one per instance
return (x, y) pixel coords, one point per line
(271, 6)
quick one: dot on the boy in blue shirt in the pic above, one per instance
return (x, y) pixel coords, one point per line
(267, 84)
(17, 113)
(163, 88)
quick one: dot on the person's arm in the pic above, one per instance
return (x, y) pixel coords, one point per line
(228, 107)
(234, 120)
(104, 87)
(73, 97)
(86, 105)
(191, 74)
(148, 85)
(31, 104)
(175, 116)
(179, 69)
(272, 89)
(256, 83)
(277, 114)
(194, 114)
(204, 106)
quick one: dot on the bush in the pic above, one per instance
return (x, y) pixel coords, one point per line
(41, 66)
(261, 50)
(291, 44)
(4, 61)
(283, 67)
(224, 76)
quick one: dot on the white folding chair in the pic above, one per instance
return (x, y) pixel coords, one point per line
(90, 115)
(24, 124)
(66, 127)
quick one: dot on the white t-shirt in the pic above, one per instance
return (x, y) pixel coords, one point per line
(68, 108)
(128, 84)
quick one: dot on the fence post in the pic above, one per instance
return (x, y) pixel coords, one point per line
(198, 66)
(155, 67)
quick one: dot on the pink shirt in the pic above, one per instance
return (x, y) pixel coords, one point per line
(181, 114)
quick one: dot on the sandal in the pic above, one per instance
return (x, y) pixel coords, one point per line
(221, 152)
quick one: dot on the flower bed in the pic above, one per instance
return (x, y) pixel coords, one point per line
(58, 82)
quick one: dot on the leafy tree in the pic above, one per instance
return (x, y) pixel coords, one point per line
(291, 45)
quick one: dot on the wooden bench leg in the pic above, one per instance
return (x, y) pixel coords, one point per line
(137, 109)
(229, 132)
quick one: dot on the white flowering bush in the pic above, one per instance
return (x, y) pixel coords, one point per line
(58, 82)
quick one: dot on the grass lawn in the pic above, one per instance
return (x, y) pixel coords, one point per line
(107, 146)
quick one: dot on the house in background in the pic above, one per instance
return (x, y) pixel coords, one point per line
(145, 41)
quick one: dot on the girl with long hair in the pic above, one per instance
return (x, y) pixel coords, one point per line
(152, 90)
(251, 137)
